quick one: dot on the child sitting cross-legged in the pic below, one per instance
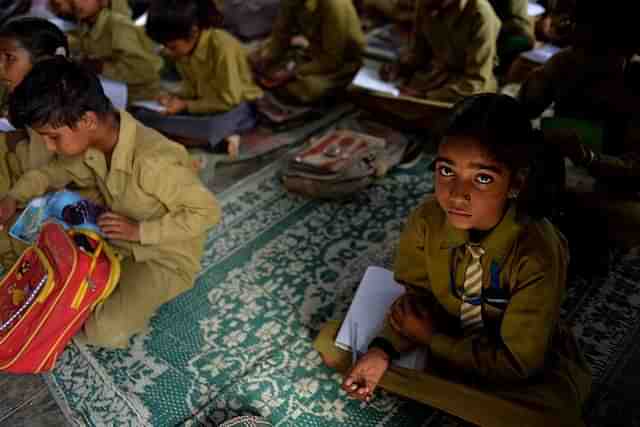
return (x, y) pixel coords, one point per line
(158, 210)
(110, 44)
(485, 277)
(215, 104)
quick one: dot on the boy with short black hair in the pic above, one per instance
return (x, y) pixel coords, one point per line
(158, 210)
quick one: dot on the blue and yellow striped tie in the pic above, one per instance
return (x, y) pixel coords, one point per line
(471, 308)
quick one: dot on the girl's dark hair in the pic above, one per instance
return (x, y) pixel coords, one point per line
(57, 92)
(501, 125)
(39, 37)
(170, 20)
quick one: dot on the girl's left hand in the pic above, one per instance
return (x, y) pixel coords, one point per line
(119, 227)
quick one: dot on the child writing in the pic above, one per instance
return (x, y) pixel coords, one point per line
(215, 103)
(158, 211)
(111, 45)
(484, 278)
(336, 46)
(454, 51)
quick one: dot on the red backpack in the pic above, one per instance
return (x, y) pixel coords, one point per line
(49, 293)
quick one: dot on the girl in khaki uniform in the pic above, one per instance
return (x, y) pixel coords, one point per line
(159, 211)
(485, 277)
(215, 102)
(111, 45)
(336, 46)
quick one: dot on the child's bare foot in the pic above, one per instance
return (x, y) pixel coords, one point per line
(364, 377)
(234, 146)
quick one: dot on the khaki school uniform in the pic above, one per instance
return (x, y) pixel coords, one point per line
(455, 51)
(523, 366)
(336, 45)
(127, 51)
(151, 181)
(217, 76)
(218, 85)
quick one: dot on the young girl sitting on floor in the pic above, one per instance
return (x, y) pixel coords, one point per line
(215, 103)
(485, 277)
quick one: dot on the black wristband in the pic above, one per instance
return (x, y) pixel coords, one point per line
(386, 346)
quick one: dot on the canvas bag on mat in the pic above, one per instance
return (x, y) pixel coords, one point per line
(49, 293)
(344, 161)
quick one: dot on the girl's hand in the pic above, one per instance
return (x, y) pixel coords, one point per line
(362, 380)
(173, 105)
(411, 318)
(119, 227)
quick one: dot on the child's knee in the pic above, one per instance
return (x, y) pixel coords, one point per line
(112, 329)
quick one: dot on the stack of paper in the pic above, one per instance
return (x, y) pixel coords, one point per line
(365, 317)
(542, 54)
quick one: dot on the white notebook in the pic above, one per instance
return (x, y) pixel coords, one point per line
(376, 293)
(150, 105)
(369, 78)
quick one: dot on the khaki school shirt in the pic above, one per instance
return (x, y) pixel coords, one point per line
(332, 27)
(217, 76)
(530, 261)
(127, 51)
(457, 49)
(151, 181)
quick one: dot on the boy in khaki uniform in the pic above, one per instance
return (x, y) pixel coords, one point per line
(159, 212)
(114, 47)
(485, 277)
(215, 102)
(336, 46)
(454, 51)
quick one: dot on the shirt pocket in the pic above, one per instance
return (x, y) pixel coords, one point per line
(494, 304)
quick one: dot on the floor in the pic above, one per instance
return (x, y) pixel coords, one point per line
(25, 400)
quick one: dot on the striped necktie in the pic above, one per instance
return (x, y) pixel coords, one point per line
(471, 308)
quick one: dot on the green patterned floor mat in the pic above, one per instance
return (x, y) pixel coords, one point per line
(240, 341)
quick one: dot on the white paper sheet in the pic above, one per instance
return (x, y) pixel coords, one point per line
(534, 9)
(5, 126)
(44, 13)
(142, 20)
(150, 105)
(374, 296)
(116, 91)
(369, 78)
(542, 54)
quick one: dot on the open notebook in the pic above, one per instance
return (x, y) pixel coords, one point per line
(365, 318)
(368, 78)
